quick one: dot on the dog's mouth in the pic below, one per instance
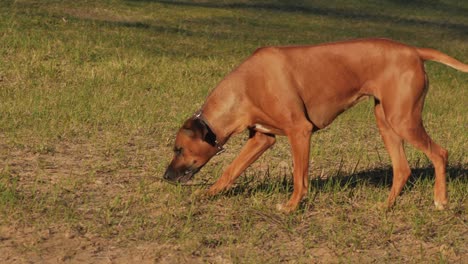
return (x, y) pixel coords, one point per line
(183, 177)
(187, 175)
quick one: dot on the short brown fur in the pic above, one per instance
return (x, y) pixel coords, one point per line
(294, 91)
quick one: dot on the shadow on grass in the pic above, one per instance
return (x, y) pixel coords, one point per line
(342, 13)
(380, 178)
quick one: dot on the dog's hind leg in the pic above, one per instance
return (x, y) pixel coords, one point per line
(394, 146)
(403, 111)
(414, 133)
(253, 149)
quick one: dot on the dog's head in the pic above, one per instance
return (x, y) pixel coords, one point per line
(195, 145)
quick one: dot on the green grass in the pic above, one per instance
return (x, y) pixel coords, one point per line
(92, 93)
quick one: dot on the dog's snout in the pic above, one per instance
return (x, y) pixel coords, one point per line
(169, 175)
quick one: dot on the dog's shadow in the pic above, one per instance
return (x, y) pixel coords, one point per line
(378, 177)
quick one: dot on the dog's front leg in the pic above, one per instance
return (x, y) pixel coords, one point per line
(299, 139)
(253, 149)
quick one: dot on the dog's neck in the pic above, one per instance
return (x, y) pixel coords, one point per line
(221, 123)
(223, 114)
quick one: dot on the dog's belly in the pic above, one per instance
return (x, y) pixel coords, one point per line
(322, 114)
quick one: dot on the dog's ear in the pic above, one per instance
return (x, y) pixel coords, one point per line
(195, 127)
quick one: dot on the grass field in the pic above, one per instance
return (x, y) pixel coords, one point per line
(92, 93)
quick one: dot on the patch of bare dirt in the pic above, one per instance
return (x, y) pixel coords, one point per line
(73, 172)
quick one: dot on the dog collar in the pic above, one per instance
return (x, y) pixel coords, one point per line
(219, 147)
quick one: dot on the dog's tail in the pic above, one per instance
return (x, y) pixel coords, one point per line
(435, 55)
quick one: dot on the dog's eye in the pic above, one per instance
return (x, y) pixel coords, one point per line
(178, 151)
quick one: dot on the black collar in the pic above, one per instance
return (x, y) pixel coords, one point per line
(198, 115)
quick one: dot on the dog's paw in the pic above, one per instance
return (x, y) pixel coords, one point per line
(440, 205)
(285, 208)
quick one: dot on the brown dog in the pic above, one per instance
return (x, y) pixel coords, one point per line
(294, 91)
